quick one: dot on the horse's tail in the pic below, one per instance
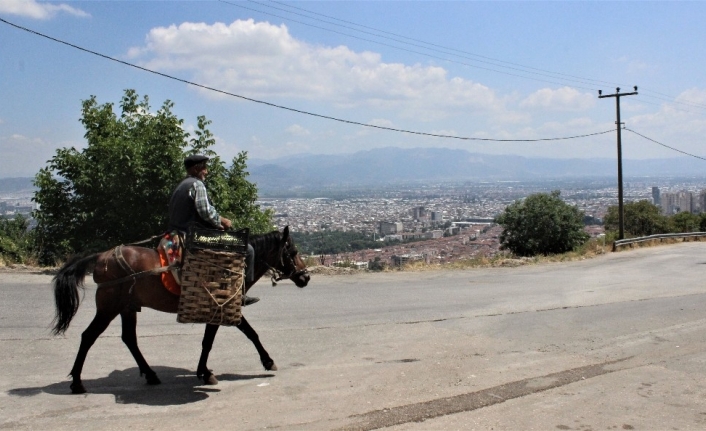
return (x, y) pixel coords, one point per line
(66, 284)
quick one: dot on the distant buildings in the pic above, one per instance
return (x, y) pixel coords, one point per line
(682, 201)
(390, 228)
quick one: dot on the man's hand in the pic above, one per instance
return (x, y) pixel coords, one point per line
(225, 223)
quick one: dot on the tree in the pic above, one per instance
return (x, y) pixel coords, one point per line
(641, 218)
(541, 224)
(684, 222)
(117, 189)
(702, 222)
(15, 239)
(229, 187)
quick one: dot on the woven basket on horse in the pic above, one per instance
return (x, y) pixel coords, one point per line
(212, 277)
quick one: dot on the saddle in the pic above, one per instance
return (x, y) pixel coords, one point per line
(171, 253)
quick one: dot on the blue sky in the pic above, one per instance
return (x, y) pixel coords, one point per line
(500, 70)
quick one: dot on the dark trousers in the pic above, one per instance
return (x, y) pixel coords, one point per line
(250, 265)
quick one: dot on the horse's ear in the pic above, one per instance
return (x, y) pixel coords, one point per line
(285, 234)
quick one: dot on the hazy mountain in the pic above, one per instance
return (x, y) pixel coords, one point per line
(396, 165)
(15, 185)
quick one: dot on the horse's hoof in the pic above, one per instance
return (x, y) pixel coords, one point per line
(270, 366)
(152, 379)
(77, 388)
(210, 380)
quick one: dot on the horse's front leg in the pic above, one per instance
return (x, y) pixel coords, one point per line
(202, 371)
(249, 332)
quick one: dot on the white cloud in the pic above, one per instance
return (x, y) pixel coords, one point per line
(261, 60)
(37, 10)
(297, 130)
(561, 99)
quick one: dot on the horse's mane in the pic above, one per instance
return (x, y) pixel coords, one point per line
(265, 243)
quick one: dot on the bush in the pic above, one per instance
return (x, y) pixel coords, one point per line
(641, 218)
(541, 224)
(16, 241)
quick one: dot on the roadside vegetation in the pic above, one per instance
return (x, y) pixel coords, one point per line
(117, 189)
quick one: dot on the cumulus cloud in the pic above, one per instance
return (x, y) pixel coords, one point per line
(38, 10)
(259, 59)
(561, 99)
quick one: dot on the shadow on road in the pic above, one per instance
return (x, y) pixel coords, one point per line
(179, 386)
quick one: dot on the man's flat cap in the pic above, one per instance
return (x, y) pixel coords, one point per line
(194, 159)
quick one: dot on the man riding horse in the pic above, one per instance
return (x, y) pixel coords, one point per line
(189, 205)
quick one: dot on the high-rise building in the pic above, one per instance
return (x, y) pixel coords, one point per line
(702, 201)
(673, 203)
(418, 213)
(655, 196)
(388, 228)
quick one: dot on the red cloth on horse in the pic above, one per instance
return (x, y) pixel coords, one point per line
(167, 278)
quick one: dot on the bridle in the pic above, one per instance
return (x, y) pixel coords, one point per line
(278, 275)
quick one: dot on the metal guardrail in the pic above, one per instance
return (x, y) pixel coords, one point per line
(660, 237)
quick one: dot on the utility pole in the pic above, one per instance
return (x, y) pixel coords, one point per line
(621, 215)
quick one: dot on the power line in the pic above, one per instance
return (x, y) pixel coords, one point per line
(664, 145)
(299, 111)
(490, 60)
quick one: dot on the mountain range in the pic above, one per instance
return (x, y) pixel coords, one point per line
(396, 165)
(390, 166)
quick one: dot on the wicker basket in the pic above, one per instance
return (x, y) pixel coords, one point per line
(211, 288)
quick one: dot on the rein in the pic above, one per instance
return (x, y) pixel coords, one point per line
(278, 275)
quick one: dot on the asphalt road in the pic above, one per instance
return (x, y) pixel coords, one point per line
(612, 343)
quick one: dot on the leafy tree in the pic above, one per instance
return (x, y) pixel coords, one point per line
(641, 218)
(702, 222)
(684, 222)
(117, 189)
(541, 224)
(228, 187)
(15, 240)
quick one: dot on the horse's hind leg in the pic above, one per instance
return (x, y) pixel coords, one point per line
(89, 336)
(249, 332)
(129, 337)
(202, 372)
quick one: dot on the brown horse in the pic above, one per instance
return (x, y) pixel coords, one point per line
(274, 252)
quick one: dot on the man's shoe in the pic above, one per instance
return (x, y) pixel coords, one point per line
(248, 300)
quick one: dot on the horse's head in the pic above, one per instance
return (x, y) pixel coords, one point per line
(290, 264)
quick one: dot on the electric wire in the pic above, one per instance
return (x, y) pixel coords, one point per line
(664, 145)
(492, 61)
(205, 87)
(329, 117)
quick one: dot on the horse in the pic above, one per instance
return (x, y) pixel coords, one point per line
(123, 290)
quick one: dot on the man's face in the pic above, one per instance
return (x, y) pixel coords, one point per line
(199, 171)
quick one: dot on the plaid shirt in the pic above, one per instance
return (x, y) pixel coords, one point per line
(203, 206)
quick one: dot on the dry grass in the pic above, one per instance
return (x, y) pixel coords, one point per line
(660, 241)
